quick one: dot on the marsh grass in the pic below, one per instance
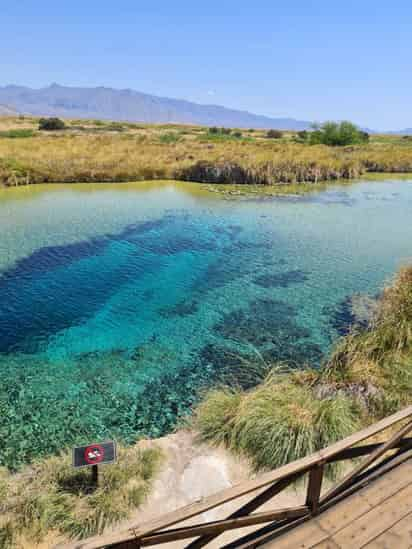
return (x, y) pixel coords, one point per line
(276, 422)
(51, 496)
(113, 152)
(294, 413)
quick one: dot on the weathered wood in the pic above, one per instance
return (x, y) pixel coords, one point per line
(314, 488)
(377, 521)
(347, 506)
(249, 507)
(217, 527)
(399, 536)
(367, 462)
(365, 449)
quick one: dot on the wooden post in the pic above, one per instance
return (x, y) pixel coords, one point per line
(95, 475)
(314, 488)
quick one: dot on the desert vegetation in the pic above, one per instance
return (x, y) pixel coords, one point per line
(51, 124)
(52, 501)
(97, 151)
(295, 412)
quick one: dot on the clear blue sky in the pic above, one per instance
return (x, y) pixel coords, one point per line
(308, 59)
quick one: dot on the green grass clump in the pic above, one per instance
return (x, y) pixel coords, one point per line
(15, 134)
(169, 138)
(275, 423)
(216, 415)
(52, 497)
(381, 355)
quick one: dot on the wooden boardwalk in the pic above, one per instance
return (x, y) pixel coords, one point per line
(378, 516)
(371, 506)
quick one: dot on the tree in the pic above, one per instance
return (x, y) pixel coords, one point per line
(51, 124)
(274, 134)
(338, 134)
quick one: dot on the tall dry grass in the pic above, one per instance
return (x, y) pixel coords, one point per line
(50, 497)
(142, 155)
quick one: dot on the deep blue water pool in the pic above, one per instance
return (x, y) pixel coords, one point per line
(118, 302)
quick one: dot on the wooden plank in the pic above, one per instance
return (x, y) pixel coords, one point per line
(354, 506)
(399, 536)
(249, 507)
(302, 537)
(344, 513)
(389, 484)
(314, 488)
(210, 502)
(377, 521)
(217, 527)
(328, 544)
(367, 462)
(365, 449)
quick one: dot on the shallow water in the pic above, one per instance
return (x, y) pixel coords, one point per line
(118, 302)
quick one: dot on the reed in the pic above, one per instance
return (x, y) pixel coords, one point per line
(109, 152)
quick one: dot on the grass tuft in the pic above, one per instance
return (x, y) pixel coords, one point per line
(51, 496)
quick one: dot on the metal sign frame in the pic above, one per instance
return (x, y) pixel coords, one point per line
(107, 449)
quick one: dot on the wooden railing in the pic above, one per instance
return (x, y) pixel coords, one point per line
(381, 457)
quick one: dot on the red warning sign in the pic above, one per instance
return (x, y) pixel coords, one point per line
(94, 454)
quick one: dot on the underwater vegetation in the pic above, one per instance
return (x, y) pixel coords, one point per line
(281, 280)
(270, 327)
(293, 413)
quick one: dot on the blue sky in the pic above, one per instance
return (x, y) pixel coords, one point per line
(312, 60)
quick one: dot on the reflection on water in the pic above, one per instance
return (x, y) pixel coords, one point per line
(117, 302)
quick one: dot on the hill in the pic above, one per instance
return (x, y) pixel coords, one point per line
(133, 106)
(5, 110)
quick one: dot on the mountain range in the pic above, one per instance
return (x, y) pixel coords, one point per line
(132, 106)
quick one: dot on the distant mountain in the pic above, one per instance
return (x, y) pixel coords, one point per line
(132, 106)
(406, 131)
(5, 110)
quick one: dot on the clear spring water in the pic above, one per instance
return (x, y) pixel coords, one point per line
(118, 302)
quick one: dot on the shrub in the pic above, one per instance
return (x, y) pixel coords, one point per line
(216, 414)
(274, 134)
(213, 130)
(337, 134)
(302, 136)
(169, 138)
(275, 423)
(51, 124)
(237, 134)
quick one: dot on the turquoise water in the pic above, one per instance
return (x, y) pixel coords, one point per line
(119, 302)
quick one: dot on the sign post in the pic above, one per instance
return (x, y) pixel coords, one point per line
(94, 454)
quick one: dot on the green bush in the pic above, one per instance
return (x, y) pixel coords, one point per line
(169, 138)
(274, 134)
(302, 136)
(275, 423)
(337, 134)
(51, 124)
